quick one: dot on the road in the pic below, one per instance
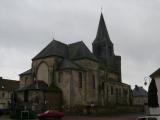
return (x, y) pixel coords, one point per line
(119, 117)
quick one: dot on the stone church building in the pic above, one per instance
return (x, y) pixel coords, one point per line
(84, 77)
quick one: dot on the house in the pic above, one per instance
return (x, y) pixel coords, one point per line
(6, 89)
(140, 96)
(83, 77)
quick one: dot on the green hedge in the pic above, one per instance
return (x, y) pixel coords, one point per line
(17, 115)
(54, 88)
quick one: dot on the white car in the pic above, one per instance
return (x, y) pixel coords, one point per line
(149, 117)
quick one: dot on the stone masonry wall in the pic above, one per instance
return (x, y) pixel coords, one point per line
(25, 80)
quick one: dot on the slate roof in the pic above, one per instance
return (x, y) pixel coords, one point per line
(67, 64)
(26, 72)
(79, 50)
(102, 33)
(72, 51)
(139, 91)
(8, 85)
(54, 48)
(36, 85)
(118, 83)
(155, 74)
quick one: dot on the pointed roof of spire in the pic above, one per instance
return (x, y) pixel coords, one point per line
(102, 33)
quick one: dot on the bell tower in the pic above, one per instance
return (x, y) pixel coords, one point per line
(102, 45)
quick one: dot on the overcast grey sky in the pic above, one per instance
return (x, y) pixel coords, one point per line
(27, 26)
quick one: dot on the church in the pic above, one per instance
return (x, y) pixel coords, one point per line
(82, 76)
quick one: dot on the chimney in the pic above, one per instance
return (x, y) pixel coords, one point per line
(136, 87)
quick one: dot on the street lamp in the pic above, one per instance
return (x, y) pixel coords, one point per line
(147, 79)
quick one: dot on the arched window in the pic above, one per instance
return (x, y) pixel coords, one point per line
(42, 72)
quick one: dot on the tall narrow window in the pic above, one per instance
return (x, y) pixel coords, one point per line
(25, 81)
(119, 91)
(80, 79)
(60, 76)
(116, 91)
(112, 90)
(26, 96)
(94, 81)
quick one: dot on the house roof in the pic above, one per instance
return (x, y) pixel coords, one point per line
(79, 50)
(8, 85)
(102, 32)
(26, 72)
(156, 73)
(54, 48)
(139, 91)
(36, 85)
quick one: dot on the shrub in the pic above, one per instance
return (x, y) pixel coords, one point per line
(54, 88)
(17, 115)
(152, 94)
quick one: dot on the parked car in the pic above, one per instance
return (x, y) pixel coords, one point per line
(149, 117)
(50, 114)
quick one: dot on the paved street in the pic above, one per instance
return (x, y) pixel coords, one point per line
(120, 117)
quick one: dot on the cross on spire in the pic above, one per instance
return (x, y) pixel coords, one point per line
(101, 8)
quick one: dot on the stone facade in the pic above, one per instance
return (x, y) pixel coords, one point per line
(84, 77)
(5, 99)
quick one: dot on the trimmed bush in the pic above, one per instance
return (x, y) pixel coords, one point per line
(152, 94)
(54, 88)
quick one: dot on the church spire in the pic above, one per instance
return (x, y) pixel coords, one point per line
(102, 45)
(102, 33)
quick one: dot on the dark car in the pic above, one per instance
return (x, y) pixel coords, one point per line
(50, 114)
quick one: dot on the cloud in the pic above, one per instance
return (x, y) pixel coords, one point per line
(27, 26)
